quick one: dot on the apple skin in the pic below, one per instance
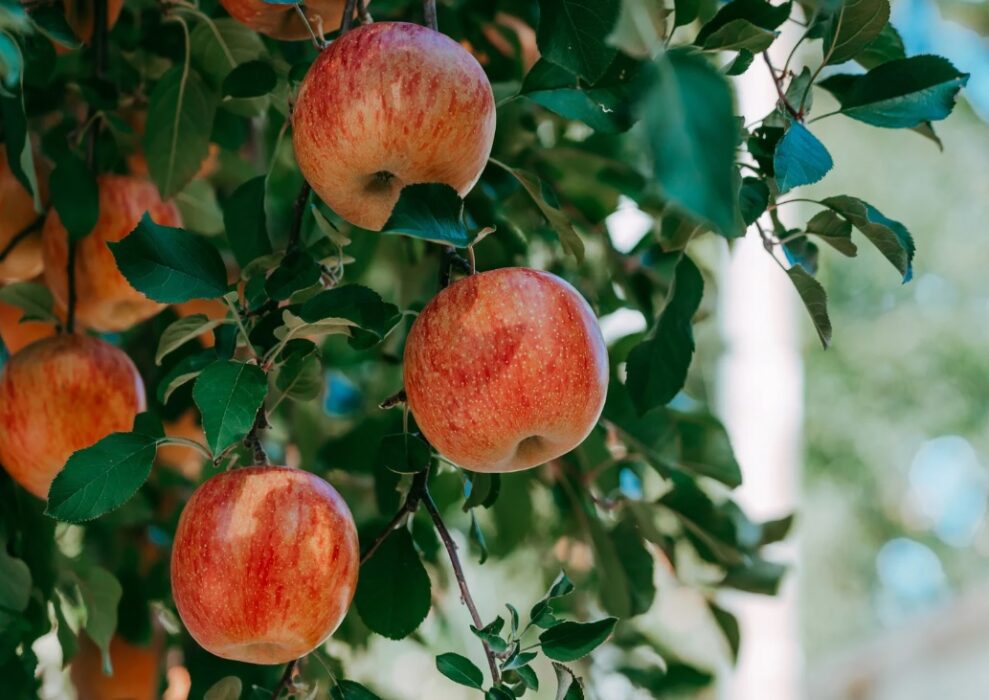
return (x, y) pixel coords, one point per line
(135, 671)
(59, 395)
(17, 207)
(506, 370)
(17, 335)
(264, 564)
(282, 21)
(387, 105)
(106, 300)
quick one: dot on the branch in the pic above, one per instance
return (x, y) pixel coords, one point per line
(465, 596)
(395, 399)
(777, 81)
(20, 236)
(412, 499)
(347, 21)
(298, 214)
(287, 679)
(429, 14)
(253, 439)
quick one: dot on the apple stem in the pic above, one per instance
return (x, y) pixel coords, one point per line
(287, 679)
(20, 236)
(450, 260)
(429, 14)
(253, 439)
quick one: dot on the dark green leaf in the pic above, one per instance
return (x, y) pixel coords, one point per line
(739, 34)
(556, 218)
(187, 369)
(757, 12)
(393, 592)
(753, 199)
(101, 594)
(182, 331)
(431, 211)
(20, 154)
(404, 453)
(685, 12)
(758, 576)
(637, 563)
(517, 660)
(176, 137)
(887, 46)
(15, 581)
(355, 305)
(568, 685)
(229, 395)
(705, 448)
(481, 489)
(528, 677)
(890, 237)
(814, 297)
(853, 27)
(692, 134)
(800, 159)
(300, 377)
(729, 627)
(52, 23)
(298, 270)
(351, 690)
(244, 221)
(776, 530)
(102, 477)
(251, 79)
(833, 230)
(75, 196)
(657, 367)
(899, 94)
(572, 34)
(33, 298)
(460, 669)
(170, 265)
(569, 641)
(499, 693)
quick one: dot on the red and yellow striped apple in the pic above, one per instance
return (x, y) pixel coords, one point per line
(283, 21)
(387, 105)
(16, 213)
(106, 300)
(264, 564)
(59, 395)
(506, 370)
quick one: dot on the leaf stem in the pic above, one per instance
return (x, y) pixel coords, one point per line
(169, 440)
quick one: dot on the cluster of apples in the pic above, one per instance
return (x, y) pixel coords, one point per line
(504, 370)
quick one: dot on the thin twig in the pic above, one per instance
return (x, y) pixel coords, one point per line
(252, 441)
(409, 507)
(287, 679)
(20, 236)
(458, 570)
(298, 214)
(429, 14)
(777, 81)
(347, 20)
(396, 399)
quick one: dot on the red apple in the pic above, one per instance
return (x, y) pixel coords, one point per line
(16, 213)
(59, 395)
(506, 370)
(106, 300)
(387, 105)
(283, 21)
(264, 564)
(135, 671)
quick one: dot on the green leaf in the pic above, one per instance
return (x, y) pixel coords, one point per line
(890, 237)
(637, 563)
(351, 690)
(685, 12)
(800, 159)
(741, 63)
(853, 27)
(757, 576)
(170, 265)
(899, 94)
(568, 685)
(182, 331)
(176, 138)
(606, 106)
(52, 23)
(101, 594)
(20, 154)
(355, 305)
(499, 693)
(753, 199)
(393, 591)
(15, 581)
(227, 688)
(251, 79)
(404, 453)
(833, 230)
(569, 641)
(729, 627)
(229, 395)
(537, 190)
(199, 208)
(75, 196)
(301, 376)
(692, 135)
(573, 33)
(528, 677)
(562, 586)
(33, 298)
(814, 297)
(739, 34)
(298, 270)
(518, 659)
(102, 477)
(657, 367)
(460, 669)
(430, 211)
(244, 221)
(705, 448)
(757, 12)
(614, 588)
(187, 369)
(887, 46)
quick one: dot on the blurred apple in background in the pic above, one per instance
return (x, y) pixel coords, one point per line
(264, 564)
(135, 671)
(23, 261)
(387, 105)
(506, 370)
(80, 14)
(106, 300)
(59, 395)
(188, 461)
(282, 21)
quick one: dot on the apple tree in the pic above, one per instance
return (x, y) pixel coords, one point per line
(300, 310)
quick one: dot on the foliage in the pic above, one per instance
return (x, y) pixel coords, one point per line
(612, 111)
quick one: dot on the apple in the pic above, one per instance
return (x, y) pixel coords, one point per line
(106, 301)
(17, 335)
(59, 395)
(135, 671)
(386, 105)
(283, 21)
(506, 370)
(24, 260)
(264, 564)
(80, 16)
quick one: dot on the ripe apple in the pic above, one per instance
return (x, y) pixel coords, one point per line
(17, 335)
(264, 564)
(283, 21)
(16, 213)
(506, 370)
(59, 395)
(135, 671)
(387, 105)
(106, 300)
